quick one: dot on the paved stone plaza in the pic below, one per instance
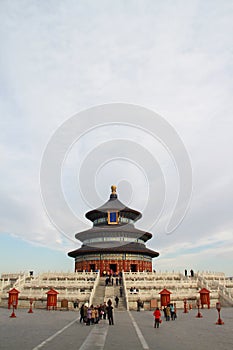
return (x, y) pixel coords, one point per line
(59, 330)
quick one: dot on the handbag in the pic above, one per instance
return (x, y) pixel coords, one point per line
(160, 321)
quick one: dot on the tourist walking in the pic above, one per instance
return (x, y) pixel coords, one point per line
(157, 315)
(117, 301)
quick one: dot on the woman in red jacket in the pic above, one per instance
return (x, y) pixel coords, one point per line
(157, 315)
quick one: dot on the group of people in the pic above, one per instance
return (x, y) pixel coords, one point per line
(134, 290)
(76, 303)
(90, 315)
(109, 280)
(169, 314)
(191, 273)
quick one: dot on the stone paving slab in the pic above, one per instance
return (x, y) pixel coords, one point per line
(188, 332)
(131, 330)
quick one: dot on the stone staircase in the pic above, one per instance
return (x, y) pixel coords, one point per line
(122, 301)
(99, 296)
(104, 293)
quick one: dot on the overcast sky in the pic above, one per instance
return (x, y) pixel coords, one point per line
(175, 58)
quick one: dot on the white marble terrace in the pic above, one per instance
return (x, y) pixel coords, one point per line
(82, 286)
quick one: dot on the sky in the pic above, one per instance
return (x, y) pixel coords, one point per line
(172, 59)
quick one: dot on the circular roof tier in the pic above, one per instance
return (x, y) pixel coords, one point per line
(127, 230)
(136, 248)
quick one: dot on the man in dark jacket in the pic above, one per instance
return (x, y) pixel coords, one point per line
(82, 313)
(110, 313)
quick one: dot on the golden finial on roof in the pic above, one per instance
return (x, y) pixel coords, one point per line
(113, 188)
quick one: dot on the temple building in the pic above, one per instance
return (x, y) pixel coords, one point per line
(113, 244)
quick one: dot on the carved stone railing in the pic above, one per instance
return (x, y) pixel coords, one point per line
(94, 288)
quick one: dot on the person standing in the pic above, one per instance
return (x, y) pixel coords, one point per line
(165, 313)
(168, 313)
(157, 315)
(110, 314)
(97, 314)
(85, 313)
(139, 304)
(121, 291)
(92, 314)
(88, 316)
(175, 312)
(172, 310)
(82, 313)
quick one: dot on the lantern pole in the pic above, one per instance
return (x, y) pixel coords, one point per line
(185, 306)
(30, 309)
(13, 315)
(218, 307)
(199, 315)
